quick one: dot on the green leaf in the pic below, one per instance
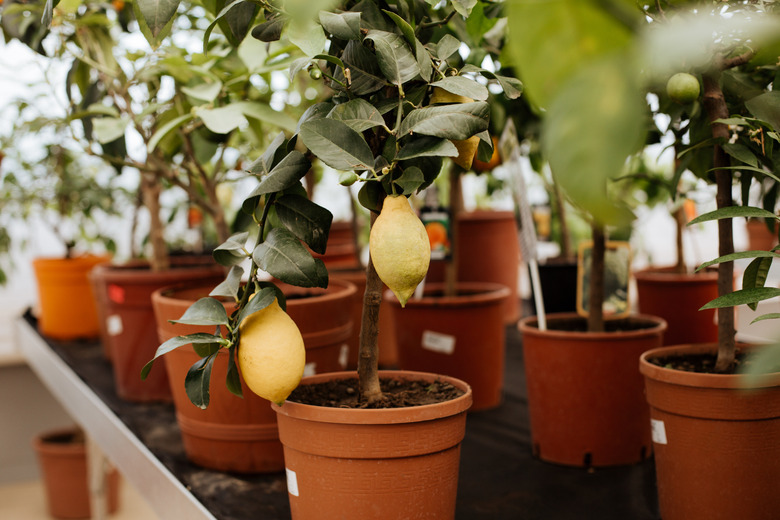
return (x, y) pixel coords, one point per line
(269, 31)
(742, 297)
(284, 175)
(233, 250)
(207, 92)
(358, 114)
(755, 275)
(738, 256)
(262, 299)
(221, 120)
(463, 86)
(307, 36)
(512, 87)
(164, 130)
(396, 60)
(741, 153)
(337, 145)
(157, 14)
(550, 41)
(464, 7)
(365, 75)
(345, 26)
(427, 146)
(273, 154)
(205, 311)
(233, 379)
(206, 349)
(370, 196)
(732, 212)
(180, 341)
(420, 52)
(236, 18)
(448, 45)
(411, 179)
(456, 121)
(768, 316)
(307, 220)
(265, 113)
(108, 129)
(316, 111)
(230, 286)
(283, 256)
(197, 381)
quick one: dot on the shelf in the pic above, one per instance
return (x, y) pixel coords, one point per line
(165, 494)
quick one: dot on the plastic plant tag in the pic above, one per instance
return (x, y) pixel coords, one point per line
(114, 325)
(292, 482)
(438, 342)
(658, 431)
(344, 356)
(309, 369)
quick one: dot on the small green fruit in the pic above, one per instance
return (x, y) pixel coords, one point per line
(347, 178)
(683, 88)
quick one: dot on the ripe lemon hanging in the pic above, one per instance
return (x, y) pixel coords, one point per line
(271, 354)
(399, 246)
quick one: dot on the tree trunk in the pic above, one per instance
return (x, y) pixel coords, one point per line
(456, 207)
(679, 219)
(596, 288)
(715, 105)
(368, 355)
(150, 190)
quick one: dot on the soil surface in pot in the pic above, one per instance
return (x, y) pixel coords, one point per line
(704, 363)
(579, 324)
(398, 393)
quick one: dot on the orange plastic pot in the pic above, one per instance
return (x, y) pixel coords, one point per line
(125, 294)
(462, 336)
(62, 457)
(717, 445)
(585, 395)
(362, 464)
(239, 434)
(67, 306)
(677, 298)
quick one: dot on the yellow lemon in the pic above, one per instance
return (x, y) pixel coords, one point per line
(271, 354)
(399, 246)
(467, 149)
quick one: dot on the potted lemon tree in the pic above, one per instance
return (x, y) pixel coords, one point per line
(382, 63)
(719, 45)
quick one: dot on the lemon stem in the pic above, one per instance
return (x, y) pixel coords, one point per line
(368, 354)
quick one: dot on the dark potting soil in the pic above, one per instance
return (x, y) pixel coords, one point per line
(580, 324)
(397, 393)
(704, 363)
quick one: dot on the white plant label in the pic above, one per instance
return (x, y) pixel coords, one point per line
(292, 482)
(438, 342)
(344, 356)
(309, 369)
(658, 431)
(114, 325)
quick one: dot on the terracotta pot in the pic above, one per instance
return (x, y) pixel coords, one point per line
(558, 278)
(124, 293)
(341, 251)
(760, 238)
(462, 336)
(717, 445)
(585, 395)
(62, 457)
(67, 308)
(488, 250)
(239, 434)
(677, 298)
(388, 351)
(362, 464)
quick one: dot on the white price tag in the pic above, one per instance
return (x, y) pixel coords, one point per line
(292, 482)
(658, 431)
(438, 342)
(309, 369)
(344, 356)
(114, 325)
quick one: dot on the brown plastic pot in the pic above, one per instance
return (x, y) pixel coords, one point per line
(124, 292)
(677, 298)
(67, 308)
(239, 434)
(585, 395)
(488, 250)
(717, 444)
(341, 251)
(62, 457)
(760, 237)
(462, 336)
(373, 464)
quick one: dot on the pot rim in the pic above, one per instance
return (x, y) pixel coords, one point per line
(484, 293)
(666, 274)
(407, 414)
(697, 379)
(524, 327)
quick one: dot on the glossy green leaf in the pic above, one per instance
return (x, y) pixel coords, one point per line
(457, 121)
(157, 14)
(307, 35)
(180, 341)
(233, 250)
(742, 297)
(233, 379)
(410, 180)
(316, 111)
(230, 286)
(283, 256)
(197, 381)
(307, 220)
(345, 26)
(741, 153)
(337, 145)
(365, 76)
(235, 22)
(738, 256)
(205, 311)
(427, 146)
(108, 129)
(420, 52)
(370, 196)
(448, 45)
(207, 92)
(206, 349)
(732, 212)
(768, 316)
(463, 86)
(269, 31)
(755, 275)
(273, 154)
(284, 175)
(260, 300)
(396, 60)
(358, 114)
